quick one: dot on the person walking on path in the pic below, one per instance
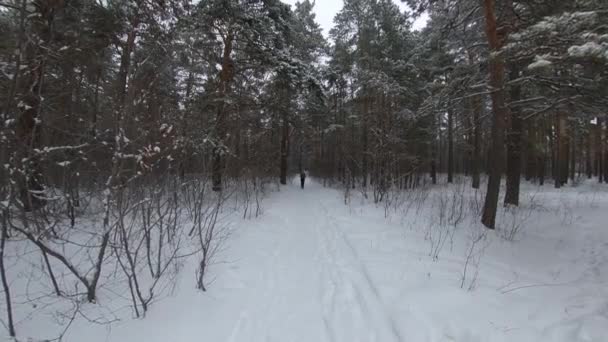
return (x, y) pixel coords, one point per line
(302, 178)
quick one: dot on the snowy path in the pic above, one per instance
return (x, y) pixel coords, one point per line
(312, 269)
(314, 285)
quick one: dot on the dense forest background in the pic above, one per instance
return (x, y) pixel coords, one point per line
(114, 107)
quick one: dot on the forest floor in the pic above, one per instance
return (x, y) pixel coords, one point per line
(313, 269)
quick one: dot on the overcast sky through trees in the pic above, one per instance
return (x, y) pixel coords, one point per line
(327, 9)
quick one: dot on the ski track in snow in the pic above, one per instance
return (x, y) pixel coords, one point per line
(352, 297)
(341, 301)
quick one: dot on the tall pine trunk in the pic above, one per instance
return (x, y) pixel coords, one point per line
(603, 129)
(573, 152)
(514, 144)
(531, 150)
(589, 154)
(29, 120)
(365, 162)
(226, 75)
(123, 73)
(284, 148)
(475, 161)
(562, 150)
(598, 149)
(450, 146)
(433, 161)
(497, 71)
(557, 153)
(541, 140)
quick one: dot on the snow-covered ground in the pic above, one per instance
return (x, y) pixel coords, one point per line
(314, 269)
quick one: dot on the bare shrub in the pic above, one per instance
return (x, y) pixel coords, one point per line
(204, 208)
(394, 198)
(419, 198)
(513, 221)
(566, 212)
(148, 239)
(129, 238)
(411, 203)
(476, 205)
(252, 191)
(477, 244)
(449, 209)
(438, 229)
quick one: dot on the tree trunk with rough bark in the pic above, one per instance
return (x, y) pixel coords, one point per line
(531, 150)
(226, 76)
(514, 145)
(603, 126)
(497, 71)
(589, 155)
(29, 119)
(557, 153)
(475, 160)
(284, 148)
(450, 146)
